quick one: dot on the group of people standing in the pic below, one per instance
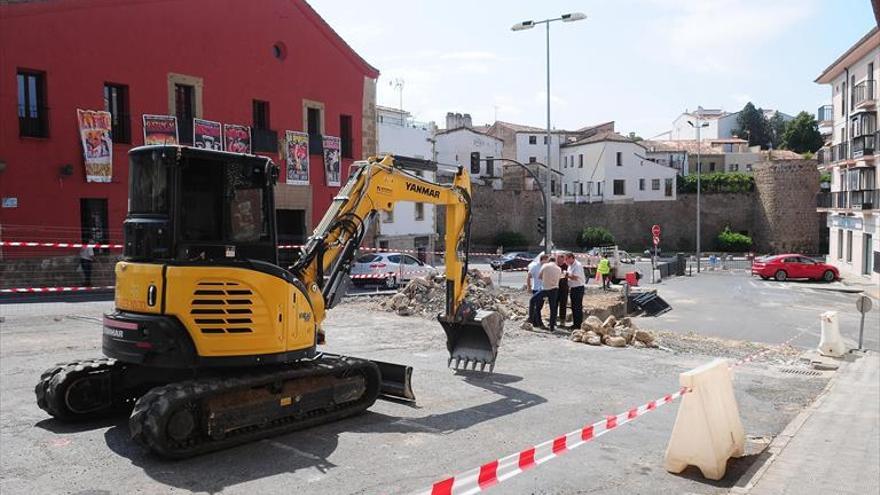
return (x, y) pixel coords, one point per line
(556, 279)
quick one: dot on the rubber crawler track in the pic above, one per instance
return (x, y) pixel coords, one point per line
(153, 410)
(51, 388)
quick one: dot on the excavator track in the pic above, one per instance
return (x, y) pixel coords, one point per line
(81, 390)
(193, 417)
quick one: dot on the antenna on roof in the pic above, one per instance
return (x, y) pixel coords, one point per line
(397, 83)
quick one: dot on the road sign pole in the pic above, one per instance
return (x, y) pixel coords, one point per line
(863, 305)
(861, 330)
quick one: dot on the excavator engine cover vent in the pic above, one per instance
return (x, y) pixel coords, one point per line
(474, 341)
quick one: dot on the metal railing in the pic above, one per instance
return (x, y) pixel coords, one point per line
(839, 152)
(264, 140)
(865, 200)
(863, 92)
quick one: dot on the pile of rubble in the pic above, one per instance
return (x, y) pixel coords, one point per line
(427, 297)
(613, 333)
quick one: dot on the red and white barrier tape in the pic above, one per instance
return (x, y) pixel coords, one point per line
(59, 245)
(23, 290)
(499, 470)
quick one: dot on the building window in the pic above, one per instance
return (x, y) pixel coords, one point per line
(581, 188)
(619, 159)
(420, 211)
(32, 112)
(641, 184)
(545, 139)
(619, 187)
(840, 244)
(533, 139)
(116, 102)
(184, 108)
(668, 190)
(490, 166)
(532, 159)
(345, 135)
(599, 188)
(313, 127)
(711, 166)
(849, 241)
(748, 167)
(261, 114)
(581, 160)
(566, 188)
(93, 220)
(735, 167)
(655, 184)
(263, 137)
(388, 216)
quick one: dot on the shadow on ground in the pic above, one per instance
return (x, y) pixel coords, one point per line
(309, 448)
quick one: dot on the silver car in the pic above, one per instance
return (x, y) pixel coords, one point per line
(388, 269)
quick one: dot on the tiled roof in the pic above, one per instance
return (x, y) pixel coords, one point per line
(603, 137)
(689, 146)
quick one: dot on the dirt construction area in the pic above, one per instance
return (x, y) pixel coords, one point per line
(544, 385)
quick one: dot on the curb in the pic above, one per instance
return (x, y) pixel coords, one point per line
(848, 290)
(784, 438)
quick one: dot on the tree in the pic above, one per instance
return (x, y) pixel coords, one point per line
(735, 242)
(777, 126)
(635, 137)
(594, 237)
(802, 134)
(752, 125)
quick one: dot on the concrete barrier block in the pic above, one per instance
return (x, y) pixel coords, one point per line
(830, 343)
(707, 430)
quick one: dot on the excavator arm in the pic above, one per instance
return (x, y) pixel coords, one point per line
(377, 185)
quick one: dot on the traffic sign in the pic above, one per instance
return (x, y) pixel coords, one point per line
(863, 304)
(656, 240)
(655, 230)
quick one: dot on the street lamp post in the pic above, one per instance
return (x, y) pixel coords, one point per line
(521, 26)
(698, 125)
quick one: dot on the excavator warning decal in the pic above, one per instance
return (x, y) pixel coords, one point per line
(422, 190)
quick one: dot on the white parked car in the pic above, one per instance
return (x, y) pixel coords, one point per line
(388, 269)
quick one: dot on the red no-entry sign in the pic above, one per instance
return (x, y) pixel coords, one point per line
(655, 230)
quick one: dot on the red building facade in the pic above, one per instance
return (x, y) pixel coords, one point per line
(274, 65)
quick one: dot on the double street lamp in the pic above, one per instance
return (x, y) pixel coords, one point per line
(698, 125)
(548, 193)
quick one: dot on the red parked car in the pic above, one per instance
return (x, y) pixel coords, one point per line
(786, 266)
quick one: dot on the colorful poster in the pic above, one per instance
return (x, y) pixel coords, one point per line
(94, 131)
(160, 129)
(237, 138)
(332, 156)
(296, 145)
(207, 134)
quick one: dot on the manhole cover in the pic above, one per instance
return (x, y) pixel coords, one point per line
(800, 371)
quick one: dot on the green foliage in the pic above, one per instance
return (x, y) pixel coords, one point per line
(777, 126)
(511, 240)
(718, 182)
(752, 125)
(733, 242)
(802, 134)
(635, 137)
(594, 237)
(825, 177)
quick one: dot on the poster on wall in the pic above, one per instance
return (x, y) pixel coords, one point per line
(97, 142)
(160, 129)
(237, 138)
(207, 134)
(296, 145)
(332, 162)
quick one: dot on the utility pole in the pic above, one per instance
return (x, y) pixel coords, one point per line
(698, 126)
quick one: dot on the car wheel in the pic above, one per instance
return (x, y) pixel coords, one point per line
(828, 276)
(391, 282)
(781, 276)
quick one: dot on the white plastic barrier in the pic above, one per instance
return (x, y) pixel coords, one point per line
(831, 344)
(707, 430)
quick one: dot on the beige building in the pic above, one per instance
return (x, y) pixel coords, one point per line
(851, 158)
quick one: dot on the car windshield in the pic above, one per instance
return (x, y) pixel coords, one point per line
(368, 258)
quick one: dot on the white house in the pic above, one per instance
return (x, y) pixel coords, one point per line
(852, 205)
(410, 226)
(719, 124)
(454, 147)
(611, 168)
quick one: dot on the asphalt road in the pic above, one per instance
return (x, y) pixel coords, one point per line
(737, 306)
(544, 386)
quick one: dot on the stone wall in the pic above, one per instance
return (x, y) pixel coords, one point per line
(55, 271)
(780, 215)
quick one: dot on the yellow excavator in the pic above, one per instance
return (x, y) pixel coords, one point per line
(212, 343)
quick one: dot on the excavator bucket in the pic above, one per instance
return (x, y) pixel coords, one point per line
(473, 342)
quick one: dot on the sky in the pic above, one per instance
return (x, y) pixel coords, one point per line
(640, 63)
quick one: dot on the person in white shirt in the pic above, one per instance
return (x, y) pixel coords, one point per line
(534, 284)
(576, 284)
(86, 258)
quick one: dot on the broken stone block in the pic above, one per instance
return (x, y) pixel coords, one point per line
(613, 341)
(643, 336)
(592, 338)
